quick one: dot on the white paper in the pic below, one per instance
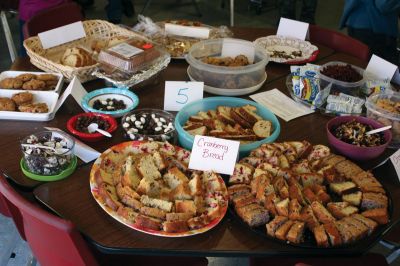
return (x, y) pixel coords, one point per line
(395, 159)
(292, 28)
(126, 50)
(63, 34)
(188, 31)
(213, 154)
(83, 151)
(179, 93)
(381, 68)
(233, 48)
(281, 105)
(75, 89)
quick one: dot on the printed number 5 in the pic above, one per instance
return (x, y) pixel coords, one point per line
(185, 98)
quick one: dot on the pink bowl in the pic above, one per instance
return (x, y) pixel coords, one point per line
(352, 151)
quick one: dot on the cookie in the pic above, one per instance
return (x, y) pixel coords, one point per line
(7, 104)
(11, 83)
(22, 98)
(50, 84)
(26, 77)
(34, 108)
(34, 84)
(47, 77)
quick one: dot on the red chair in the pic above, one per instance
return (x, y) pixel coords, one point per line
(52, 18)
(55, 241)
(370, 259)
(339, 42)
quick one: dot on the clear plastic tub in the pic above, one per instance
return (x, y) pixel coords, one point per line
(47, 152)
(222, 76)
(350, 88)
(385, 116)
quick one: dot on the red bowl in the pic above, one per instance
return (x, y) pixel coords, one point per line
(91, 137)
(352, 151)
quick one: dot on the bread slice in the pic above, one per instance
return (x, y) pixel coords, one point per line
(282, 231)
(156, 203)
(273, 225)
(309, 179)
(356, 232)
(198, 222)
(185, 206)
(371, 224)
(362, 229)
(153, 212)
(332, 160)
(175, 226)
(143, 221)
(282, 207)
(192, 125)
(198, 131)
(368, 183)
(244, 200)
(254, 215)
(309, 195)
(344, 231)
(295, 193)
(174, 177)
(168, 149)
(147, 167)
(129, 175)
(373, 201)
(149, 187)
(196, 185)
(321, 236)
(333, 234)
(380, 216)
(235, 115)
(242, 174)
(302, 148)
(269, 203)
(262, 128)
(294, 209)
(347, 169)
(128, 196)
(307, 216)
(343, 187)
(353, 198)
(259, 183)
(320, 192)
(301, 167)
(127, 213)
(296, 232)
(318, 152)
(109, 196)
(159, 161)
(248, 114)
(238, 190)
(341, 209)
(178, 216)
(181, 192)
(322, 214)
(196, 119)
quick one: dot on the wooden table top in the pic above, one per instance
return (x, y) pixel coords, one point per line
(71, 198)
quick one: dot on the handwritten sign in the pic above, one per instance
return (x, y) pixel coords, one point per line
(292, 28)
(188, 31)
(381, 68)
(179, 93)
(235, 47)
(395, 159)
(60, 35)
(213, 154)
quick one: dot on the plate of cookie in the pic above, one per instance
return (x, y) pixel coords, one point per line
(147, 186)
(304, 195)
(32, 81)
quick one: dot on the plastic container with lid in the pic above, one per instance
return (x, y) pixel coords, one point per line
(222, 76)
(129, 56)
(382, 108)
(350, 88)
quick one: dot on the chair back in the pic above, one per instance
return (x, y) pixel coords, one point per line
(9, 5)
(53, 241)
(339, 42)
(53, 17)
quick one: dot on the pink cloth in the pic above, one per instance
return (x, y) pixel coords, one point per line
(28, 8)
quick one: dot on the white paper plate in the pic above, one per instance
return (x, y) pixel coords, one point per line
(13, 74)
(230, 92)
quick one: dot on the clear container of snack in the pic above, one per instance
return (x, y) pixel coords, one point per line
(385, 108)
(354, 88)
(149, 124)
(223, 76)
(48, 152)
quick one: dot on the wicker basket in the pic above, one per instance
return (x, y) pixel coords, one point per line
(49, 59)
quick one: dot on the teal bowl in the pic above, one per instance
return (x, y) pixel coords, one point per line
(186, 140)
(130, 99)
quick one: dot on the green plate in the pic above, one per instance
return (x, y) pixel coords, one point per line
(67, 172)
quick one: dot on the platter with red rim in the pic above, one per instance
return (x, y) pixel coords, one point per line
(304, 51)
(211, 195)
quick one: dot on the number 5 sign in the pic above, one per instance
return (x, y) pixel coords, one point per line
(179, 93)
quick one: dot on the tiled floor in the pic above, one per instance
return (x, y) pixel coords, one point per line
(328, 15)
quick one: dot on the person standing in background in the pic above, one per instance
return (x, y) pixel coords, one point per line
(116, 8)
(287, 9)
(375, 23)
(27, 9)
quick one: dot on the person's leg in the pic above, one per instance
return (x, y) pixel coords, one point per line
(287, 9)
(114, 11)
(308, 10)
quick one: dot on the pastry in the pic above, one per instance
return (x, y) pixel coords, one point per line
(34, 108)
(26, 77)
(22, 98)
(34, 84)
(6, 104)
(11, 83)
(47, 77)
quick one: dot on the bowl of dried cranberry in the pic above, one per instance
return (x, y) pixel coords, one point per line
(347, 135)
(78, 125)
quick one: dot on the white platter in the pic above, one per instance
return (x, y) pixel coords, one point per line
(13, 74)
(229, 92)
(48, 97)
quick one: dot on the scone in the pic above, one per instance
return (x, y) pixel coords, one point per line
(22, 98)
(6, 104)
(11, 83)
(26, 77)
(34, 108)
(47, 77)
(34, 84)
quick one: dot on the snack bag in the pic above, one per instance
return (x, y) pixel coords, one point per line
(295, 70)
(309, 82)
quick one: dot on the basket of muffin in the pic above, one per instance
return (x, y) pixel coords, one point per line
(304, 195)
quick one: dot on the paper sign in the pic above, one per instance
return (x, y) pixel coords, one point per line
(292, 28)
(188, 31)
(233, 48)
(83, 151)
(381, 68)
(75, 89)
(126, 50)
(395, 159)
(213, 154)
(60, 35)
(281, 105)
(179, 93)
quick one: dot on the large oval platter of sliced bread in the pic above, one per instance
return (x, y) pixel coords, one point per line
(304, 195)
(148, 187)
